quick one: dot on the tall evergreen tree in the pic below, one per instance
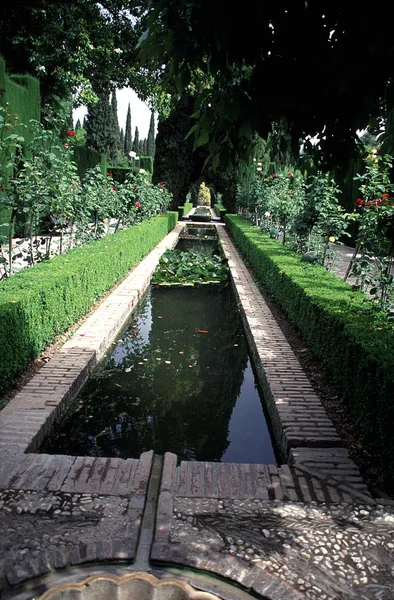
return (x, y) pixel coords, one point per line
(151, 144)
(121, 137)
(136, 143)
(98, 125)
(141, 148)
(127, 134)
(145, 148)
(114, 147)
(78, 125)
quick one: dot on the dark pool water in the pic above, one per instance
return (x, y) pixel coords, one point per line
(180, 380)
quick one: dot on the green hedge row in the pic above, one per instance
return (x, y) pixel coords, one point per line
(185, 209)
(40, 303)
(87, 158)
(352, 337)
(22, 94)
(219, 211)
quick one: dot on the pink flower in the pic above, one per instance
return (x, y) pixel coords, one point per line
(138, 204)
(66, 145)
(70, 133)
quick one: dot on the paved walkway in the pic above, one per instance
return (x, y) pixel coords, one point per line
(307, 528)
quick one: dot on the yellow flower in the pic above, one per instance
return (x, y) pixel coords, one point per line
(331, 238)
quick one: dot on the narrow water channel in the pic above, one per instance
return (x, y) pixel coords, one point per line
(178, 380)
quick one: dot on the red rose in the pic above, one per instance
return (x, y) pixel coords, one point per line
(161, 182)
(274, 175)
(109, 174)
(291, 175)
(359, 202)
(70, 133)
(114, 187)
(135, 190)
(378, 202)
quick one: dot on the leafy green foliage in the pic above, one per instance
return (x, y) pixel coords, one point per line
(77, 49)
(373, 256)
(252, 81)
(189, 268)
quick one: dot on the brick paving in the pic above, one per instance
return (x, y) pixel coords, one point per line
(267, 528)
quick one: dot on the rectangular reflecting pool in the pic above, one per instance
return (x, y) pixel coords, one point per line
(179, 379)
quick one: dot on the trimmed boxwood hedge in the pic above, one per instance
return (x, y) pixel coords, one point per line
(352, 337)
(219, 211)
(38, 304)
(185, 209)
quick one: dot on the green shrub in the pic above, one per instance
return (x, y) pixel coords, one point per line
(40, 303)
(219, 211)
(352, 337)
(185, 209)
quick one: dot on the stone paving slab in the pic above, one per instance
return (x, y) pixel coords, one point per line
(258, 525)
(59, 511)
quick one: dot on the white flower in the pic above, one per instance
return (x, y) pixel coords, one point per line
(259, 164)
(118, 50)
(258, 169)
(142, 171)
(91, 46)
(42, 69)
(254, 160)
(137, 158)
(267, 213)
(132, 154)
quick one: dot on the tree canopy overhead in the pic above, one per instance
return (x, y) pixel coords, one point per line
(78, 46)
(326, 67)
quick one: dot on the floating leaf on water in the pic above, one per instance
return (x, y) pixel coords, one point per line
(201, 330)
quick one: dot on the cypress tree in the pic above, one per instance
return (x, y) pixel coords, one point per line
(136, 143)
(150, 150)
(121, 137)
(145, 148)
(78, 125)
(127, 134)
(141, 148)
(98, 124)
(114, 147)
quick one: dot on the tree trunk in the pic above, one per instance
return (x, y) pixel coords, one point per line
(350, 265)
(11, 225)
